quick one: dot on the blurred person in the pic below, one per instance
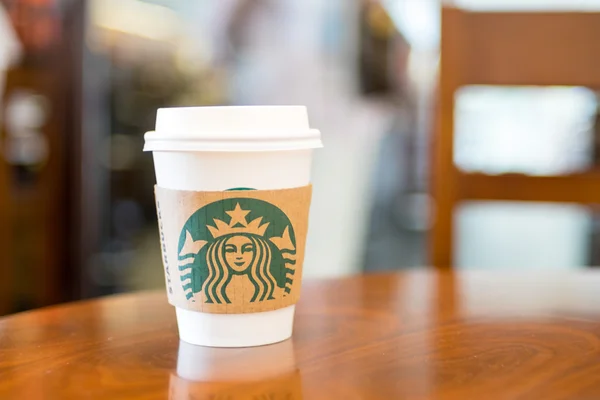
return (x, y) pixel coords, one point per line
(290, 52)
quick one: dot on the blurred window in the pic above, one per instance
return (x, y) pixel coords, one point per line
(531, 130)
(519, 235)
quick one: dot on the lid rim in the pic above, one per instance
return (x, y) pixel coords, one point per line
(274, 134)
(240, 147)
(229, 141)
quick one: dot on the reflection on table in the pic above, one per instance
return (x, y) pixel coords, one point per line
(266, 372)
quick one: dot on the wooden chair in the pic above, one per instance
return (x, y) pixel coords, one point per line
(507, 48)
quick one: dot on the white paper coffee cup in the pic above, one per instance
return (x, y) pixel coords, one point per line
(221, 148)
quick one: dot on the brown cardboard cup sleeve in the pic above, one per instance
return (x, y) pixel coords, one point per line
(233, 252)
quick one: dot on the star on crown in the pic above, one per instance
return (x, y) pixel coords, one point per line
(237, 224)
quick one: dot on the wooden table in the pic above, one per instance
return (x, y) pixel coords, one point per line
(416, 335)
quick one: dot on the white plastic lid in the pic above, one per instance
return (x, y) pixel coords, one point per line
(234, 128)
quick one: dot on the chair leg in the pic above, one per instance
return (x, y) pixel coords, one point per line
(444, 181)
(442, 243)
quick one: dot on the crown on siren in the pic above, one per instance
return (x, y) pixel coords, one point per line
(238, 224)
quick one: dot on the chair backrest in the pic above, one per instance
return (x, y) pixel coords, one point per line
(506, 48)
(521, 48)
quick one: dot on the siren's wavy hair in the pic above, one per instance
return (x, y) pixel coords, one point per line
(264, 272)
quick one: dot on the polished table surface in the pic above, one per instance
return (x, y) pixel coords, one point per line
(416, 335)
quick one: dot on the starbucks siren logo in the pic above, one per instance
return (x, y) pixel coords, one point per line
(244, 237)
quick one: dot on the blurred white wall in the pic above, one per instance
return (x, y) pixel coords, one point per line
(311, 61)
(10, 49)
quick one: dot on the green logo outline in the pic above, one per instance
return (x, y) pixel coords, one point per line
(237, 236)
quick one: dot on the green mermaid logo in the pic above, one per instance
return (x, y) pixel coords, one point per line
(242, 240)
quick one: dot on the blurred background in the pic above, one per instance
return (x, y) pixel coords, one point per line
(406, 133)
